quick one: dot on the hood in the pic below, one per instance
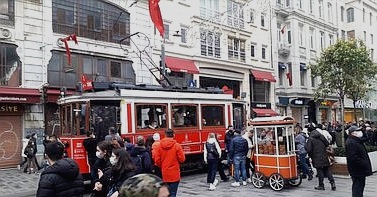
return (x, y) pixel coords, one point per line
(137, 150)
(211, 140)
(167, 143)
(66, 168)
(315, 134)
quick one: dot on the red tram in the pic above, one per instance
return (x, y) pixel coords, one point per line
(136, 110)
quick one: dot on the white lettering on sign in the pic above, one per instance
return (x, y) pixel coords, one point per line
(299, 102)
(12, 99)
(261, 105)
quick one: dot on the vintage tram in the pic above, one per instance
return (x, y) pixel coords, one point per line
(141, 110)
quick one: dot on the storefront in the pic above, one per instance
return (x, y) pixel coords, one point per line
(13, 102)
(262, 110)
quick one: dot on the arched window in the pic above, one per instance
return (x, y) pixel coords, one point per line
(350, 15)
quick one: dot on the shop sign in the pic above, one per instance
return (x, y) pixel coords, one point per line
(10, 109)
(261, 105)
(299, 101)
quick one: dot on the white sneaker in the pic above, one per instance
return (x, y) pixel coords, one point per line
(235, 184)
(244, 183)
(248, 180)
(211, 187)
(18, 167)
(215, 182)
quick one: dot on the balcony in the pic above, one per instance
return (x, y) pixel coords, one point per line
(282, 10)
(284, 49)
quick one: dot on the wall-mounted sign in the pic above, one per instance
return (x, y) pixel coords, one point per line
(298, 101)
(261, 105)
(11, 109)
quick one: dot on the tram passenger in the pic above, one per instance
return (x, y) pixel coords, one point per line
(179, 118)
(153, 125)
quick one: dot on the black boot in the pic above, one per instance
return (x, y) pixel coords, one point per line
(320, 187)
(333, 187)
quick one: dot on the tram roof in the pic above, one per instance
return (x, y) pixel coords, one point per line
(147, 94)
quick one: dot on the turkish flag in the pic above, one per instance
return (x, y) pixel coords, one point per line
(289, 77)
(155, 12)
(72, 37)
(283, 29)
(86, 83)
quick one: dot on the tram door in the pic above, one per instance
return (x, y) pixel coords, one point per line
(238, 116)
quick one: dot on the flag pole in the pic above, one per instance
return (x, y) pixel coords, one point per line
(163, 66)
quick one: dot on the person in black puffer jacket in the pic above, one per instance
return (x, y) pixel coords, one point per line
(62, 176)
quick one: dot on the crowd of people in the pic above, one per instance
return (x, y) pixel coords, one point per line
(152, 165)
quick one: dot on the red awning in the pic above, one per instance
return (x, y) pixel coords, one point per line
(19, 95)
(263, 75)
(54, 94)
(265, 112)
(181, 65)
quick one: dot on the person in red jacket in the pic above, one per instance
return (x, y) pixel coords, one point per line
(169, 156)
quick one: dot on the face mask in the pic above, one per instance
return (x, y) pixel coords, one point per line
(94, 136)
(99, 155)
(358, 134)
(35, 137)
(113, 160)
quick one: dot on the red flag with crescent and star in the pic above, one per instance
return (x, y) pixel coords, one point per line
(155, 12)
(65, 40)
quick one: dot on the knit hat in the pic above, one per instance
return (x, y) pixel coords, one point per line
(141, 185)
(156, 136)
(140, 140)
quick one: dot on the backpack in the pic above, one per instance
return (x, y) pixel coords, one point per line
(29, 152)
(211, 149)
(142, 163)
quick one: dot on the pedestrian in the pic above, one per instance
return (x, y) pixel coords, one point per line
(212, 153)
(358, 162)
(90, 145)
(62, 177)
(34, 138)
(237, 154)
(141, 157)
(20, 166)
(247, 136)
(300, 141)
(316, 147)
(103, 154)
(99, 129)
(113, 135)
(127, 144)
(30, 155)
(220, 165)
(111, 179)
(169, 156)
(229, 135)
(144, 185)
(155, 146)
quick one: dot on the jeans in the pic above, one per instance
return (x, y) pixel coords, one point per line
(303, 165)
(358, 185)
(239, 166)
(212, 169)
(173, 188)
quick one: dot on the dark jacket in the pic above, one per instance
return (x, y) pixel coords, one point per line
(90, 145)
(142, 159)
(111, 181)
(316, 148)
(238, 147)
(228, 139)
(62, 179)
(358, 161)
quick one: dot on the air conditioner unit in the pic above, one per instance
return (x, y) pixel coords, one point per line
(5, 34)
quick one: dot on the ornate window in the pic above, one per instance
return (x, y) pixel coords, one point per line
(91, 19)
(235, 14)
(210, 43)
(236, 49)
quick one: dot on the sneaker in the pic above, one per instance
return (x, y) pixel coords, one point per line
(215, 182)
(244, 183)
(18, 167)
(211, 187)
(235, 184)
(248, 180)
(310, 177)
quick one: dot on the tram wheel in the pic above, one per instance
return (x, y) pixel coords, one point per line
(295, 182)
(276, 182)
(258, 180)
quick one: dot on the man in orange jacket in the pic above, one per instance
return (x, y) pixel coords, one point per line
(169, 157)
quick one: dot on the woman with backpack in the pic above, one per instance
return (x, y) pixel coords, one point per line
(212, 153)
(30, 152)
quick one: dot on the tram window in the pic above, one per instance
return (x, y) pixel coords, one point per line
(213, 115)
(184, 115)
(150, 116)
